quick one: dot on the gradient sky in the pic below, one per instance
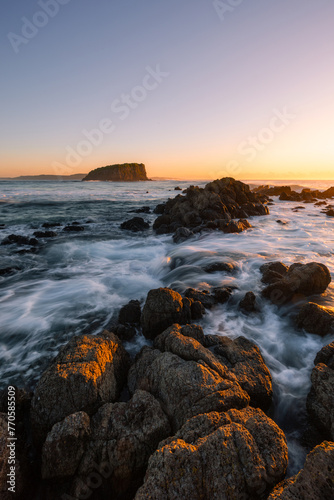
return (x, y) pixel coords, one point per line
(215, 114)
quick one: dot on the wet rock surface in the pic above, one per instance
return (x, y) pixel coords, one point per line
(87, 373)
(316, 319)
(314, 481)
(320, 400)
(237, 454)
(301, 279)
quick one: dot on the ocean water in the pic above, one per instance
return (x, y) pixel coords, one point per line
(76, 282)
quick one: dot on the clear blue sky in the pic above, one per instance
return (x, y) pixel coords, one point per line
(229, 75)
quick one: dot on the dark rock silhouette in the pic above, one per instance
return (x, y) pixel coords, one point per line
(127, 172)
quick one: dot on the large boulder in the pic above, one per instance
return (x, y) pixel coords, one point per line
(123, 436)
(320, 400)
(316, 319)
(87, 373)
(211, 207)
(314, 481)
(244, 360)
(302, 280)
(162, 308)
(185, 387)
(65, 445)
(232, 455)
(273, 271)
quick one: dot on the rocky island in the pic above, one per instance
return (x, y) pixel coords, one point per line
(127, 172)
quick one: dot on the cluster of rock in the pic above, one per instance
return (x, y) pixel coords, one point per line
(185, 418)
(211, 207)
(287, 194)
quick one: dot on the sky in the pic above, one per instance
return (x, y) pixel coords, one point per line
(195, 89)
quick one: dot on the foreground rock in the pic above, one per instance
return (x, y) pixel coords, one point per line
(315, 481)
(185, 387)
(65, 445)
(191, 373)
(320, 401)
(87, 373)
(123, 436)
(211, 207)
(316, 319)
(232, 455)
(248, 303)
(301, 279)
(243, 358)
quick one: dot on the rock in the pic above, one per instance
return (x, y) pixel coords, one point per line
(143, 210)
(65, 445)
(282, 222)
(124, 332)
(127, 172)
(74, 228)
(87, 373)
(273, 271)
(316, 319)
(226, 267)
(45, 234)
(330, 213)
(211, 207)
(19, 240)
(219, 295)
(248, 303)
(130, 313)
(301, 279)
(182, 234)
(320, 400)
(315, 481)
(232, 455)
(123, 437)
(177, 188)
(49, 225)
(162, 308)
(244, 360)
(135, 225)
(185, 387)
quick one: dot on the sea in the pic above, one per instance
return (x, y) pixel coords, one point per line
(75, 283)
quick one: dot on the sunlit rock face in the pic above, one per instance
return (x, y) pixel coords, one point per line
(127, 172)
(239, 454)
(315, 480)
(87, 373)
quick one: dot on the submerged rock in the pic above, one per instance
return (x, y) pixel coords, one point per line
(226, 267)
(74, 228)
(316, 319)
(320, 400)
(87, 373)
(135, 225)
(314, 481)
(301, 279)
(45, 234)
(18, 239)
(237, 454)
(182, 234)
